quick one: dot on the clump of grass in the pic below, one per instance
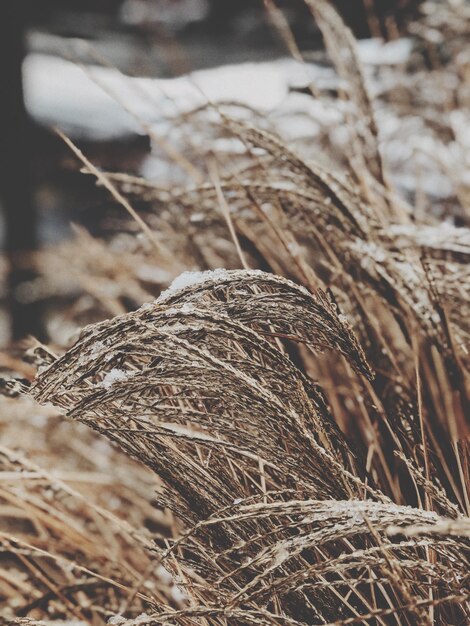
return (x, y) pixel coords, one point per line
(199, 387)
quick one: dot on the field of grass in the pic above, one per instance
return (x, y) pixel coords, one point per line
(254, 409)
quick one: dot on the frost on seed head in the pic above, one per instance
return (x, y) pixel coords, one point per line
(188, 279)
(114, 376)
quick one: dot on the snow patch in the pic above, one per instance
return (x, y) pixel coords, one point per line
(189, 279)
(186, 309)
(178, 594)
(164, 575)
(59, 92)
(377, 52)
(114, 376)
(96, 349)
(281, 555)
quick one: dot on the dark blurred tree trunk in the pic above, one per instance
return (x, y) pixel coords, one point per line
(15, 172)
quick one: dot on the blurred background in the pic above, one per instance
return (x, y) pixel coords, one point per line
(46, 48)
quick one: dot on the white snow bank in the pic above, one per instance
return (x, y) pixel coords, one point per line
(60, 93)
(89, 101)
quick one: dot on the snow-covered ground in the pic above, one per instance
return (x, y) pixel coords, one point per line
(100, 103)
(88, 100)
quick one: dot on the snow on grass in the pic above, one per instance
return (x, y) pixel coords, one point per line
(189, 279)
(114, 376)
